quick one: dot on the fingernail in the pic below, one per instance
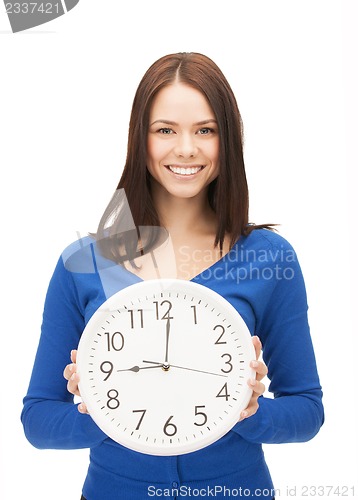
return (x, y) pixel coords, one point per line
(73, 376)
(254, 364)
(252, 381)
(244, 414)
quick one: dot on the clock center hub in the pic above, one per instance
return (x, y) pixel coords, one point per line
(165, 367)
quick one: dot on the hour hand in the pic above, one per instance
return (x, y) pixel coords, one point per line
(136, 368)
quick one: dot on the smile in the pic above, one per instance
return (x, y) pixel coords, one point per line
(184, 170)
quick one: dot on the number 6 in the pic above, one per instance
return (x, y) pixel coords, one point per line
(168, 424)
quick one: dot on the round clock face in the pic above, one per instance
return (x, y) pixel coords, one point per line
(163, 366)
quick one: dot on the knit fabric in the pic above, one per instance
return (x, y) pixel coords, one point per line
(262, 279)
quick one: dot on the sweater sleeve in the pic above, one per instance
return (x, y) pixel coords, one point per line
(295, 413)
(49, 416)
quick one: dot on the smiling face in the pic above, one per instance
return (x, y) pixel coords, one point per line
(183, 142)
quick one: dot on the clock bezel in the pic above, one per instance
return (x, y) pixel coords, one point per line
(113, 303)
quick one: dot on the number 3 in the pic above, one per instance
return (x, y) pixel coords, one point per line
(227, 363)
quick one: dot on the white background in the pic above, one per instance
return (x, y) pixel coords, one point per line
(66, 90)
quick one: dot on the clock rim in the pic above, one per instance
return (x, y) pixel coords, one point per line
(104, 424)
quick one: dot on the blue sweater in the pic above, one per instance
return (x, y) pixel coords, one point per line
(262, 279)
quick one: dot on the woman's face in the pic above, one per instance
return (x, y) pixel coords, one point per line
(183, 141)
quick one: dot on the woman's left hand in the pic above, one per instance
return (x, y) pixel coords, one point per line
(256, 385)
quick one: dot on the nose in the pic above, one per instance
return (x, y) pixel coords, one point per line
(186, 146)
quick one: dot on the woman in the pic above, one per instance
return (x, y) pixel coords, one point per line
(184, 181)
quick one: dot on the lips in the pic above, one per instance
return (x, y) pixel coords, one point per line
(187, 170)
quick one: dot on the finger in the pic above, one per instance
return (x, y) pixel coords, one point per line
(71, 368)
(72, 384)
(257, 345)
(260, 369)
(69, 371)
(250, 410)
(82, 408)
(257, 387)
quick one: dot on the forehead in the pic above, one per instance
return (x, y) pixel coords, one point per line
(180, 102)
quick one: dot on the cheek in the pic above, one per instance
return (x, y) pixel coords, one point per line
(213, 151)
(156, 150)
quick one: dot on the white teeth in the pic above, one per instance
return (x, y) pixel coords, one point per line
(184, 171)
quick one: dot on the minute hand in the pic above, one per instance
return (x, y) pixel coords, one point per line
(167, 341)
(190, 369)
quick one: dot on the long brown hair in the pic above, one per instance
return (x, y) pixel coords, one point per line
(227, 194)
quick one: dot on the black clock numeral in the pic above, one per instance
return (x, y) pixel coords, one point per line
(170, 429)
(107, 368)
(202, 414)
(223, 393)
(113, 401)
(227, 363)
(219, 341)
(194, 312)
(141, 418)
(140, 311)
(166, 314)
(115, 341)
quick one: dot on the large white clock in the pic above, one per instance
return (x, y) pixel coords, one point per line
(163, 366)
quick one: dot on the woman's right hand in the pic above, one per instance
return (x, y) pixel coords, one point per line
(71, 375)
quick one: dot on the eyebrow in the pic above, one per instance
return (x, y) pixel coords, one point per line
(169, 122)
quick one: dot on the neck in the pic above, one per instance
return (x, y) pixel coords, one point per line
(185, 216)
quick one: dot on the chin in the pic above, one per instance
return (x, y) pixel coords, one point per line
(186, 193)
